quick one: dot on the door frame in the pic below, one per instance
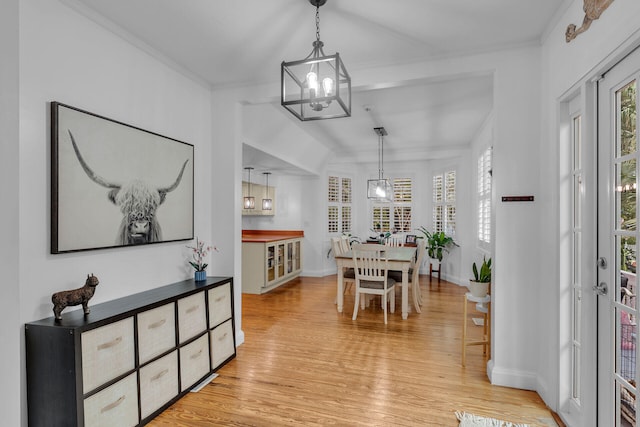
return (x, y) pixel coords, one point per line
(587, 89)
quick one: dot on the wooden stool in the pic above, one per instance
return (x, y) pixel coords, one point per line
(483, 305)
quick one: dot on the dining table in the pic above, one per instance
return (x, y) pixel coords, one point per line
(398, 258)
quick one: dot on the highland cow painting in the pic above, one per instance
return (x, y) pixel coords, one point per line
(114, 185)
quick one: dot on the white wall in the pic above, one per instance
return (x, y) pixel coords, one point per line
(68, 58)
(11, 330)
(288, 205)
(516, 172)
(565, 67)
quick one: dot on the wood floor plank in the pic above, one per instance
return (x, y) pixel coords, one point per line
(303, 363)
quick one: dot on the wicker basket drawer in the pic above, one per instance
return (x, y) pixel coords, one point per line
(107, 352)
(116, 405)
(222, 344)
(194, 362)
(192, 317)
(156, 331)
(219, 304)
(158, 383)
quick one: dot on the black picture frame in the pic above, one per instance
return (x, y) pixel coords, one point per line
(114, 184)
(411, 239)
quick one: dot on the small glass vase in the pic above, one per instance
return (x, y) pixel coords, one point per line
(200, 276)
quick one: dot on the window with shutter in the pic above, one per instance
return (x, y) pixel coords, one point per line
(484, 198)
(339, 205)
(401, 208)
(444, 202)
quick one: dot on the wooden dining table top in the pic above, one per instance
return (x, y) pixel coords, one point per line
(401, 253)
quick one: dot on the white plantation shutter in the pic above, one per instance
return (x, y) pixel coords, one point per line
(333, 189)
(396, 215)
(402, 218)
(332, 219)
(346, 190)
(402, 190)
(381, 218)
(339, 196)
(444, 202)
(484, 197)
(346, 219)
(402, 203)
(438, 195)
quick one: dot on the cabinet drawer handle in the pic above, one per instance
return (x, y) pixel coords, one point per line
(192, 309)
(159, 375)
(157, 324)
(196, 355)
(109, 344)
(221, 298)
(222, 337)
(112, 405)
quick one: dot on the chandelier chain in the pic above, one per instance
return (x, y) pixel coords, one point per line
(317, 22)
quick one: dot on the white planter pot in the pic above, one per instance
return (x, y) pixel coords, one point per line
(479, 289)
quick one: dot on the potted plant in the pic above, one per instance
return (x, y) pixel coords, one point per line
(479, 285)
(199, 255)
(438, 243)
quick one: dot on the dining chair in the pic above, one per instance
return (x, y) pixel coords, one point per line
(344, 244)
(414, 275)
(348, 274)
(372, 279)
(395, 241)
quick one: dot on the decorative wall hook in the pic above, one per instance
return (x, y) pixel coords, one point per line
(592, 11)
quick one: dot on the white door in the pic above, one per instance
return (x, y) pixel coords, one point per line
(617, 243)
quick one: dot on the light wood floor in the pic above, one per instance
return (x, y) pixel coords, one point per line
(303, 363)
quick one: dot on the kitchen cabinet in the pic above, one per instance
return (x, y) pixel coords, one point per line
(270, 262)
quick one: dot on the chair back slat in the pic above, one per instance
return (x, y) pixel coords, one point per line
(395, 241)
(335, 246)
(344, 244)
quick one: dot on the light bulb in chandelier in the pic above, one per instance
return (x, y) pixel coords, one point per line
(314, 92)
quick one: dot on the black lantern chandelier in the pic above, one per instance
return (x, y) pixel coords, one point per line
(249, 200)
(380, 190)
(317, 87)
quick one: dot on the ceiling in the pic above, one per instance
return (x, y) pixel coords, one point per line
(226, 43)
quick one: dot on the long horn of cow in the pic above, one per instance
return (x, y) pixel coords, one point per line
(94, 177)
(164, 191)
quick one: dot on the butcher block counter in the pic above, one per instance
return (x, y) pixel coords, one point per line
(270, 258)
(268, 236)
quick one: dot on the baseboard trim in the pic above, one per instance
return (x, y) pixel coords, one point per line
(511, 378)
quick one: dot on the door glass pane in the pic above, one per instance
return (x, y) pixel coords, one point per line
(577, 142)
(626, 194)
(626, 119)
(627, 286)
(575, 386)
(627, 407)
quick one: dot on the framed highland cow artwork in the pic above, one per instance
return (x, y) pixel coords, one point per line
(114, 184)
